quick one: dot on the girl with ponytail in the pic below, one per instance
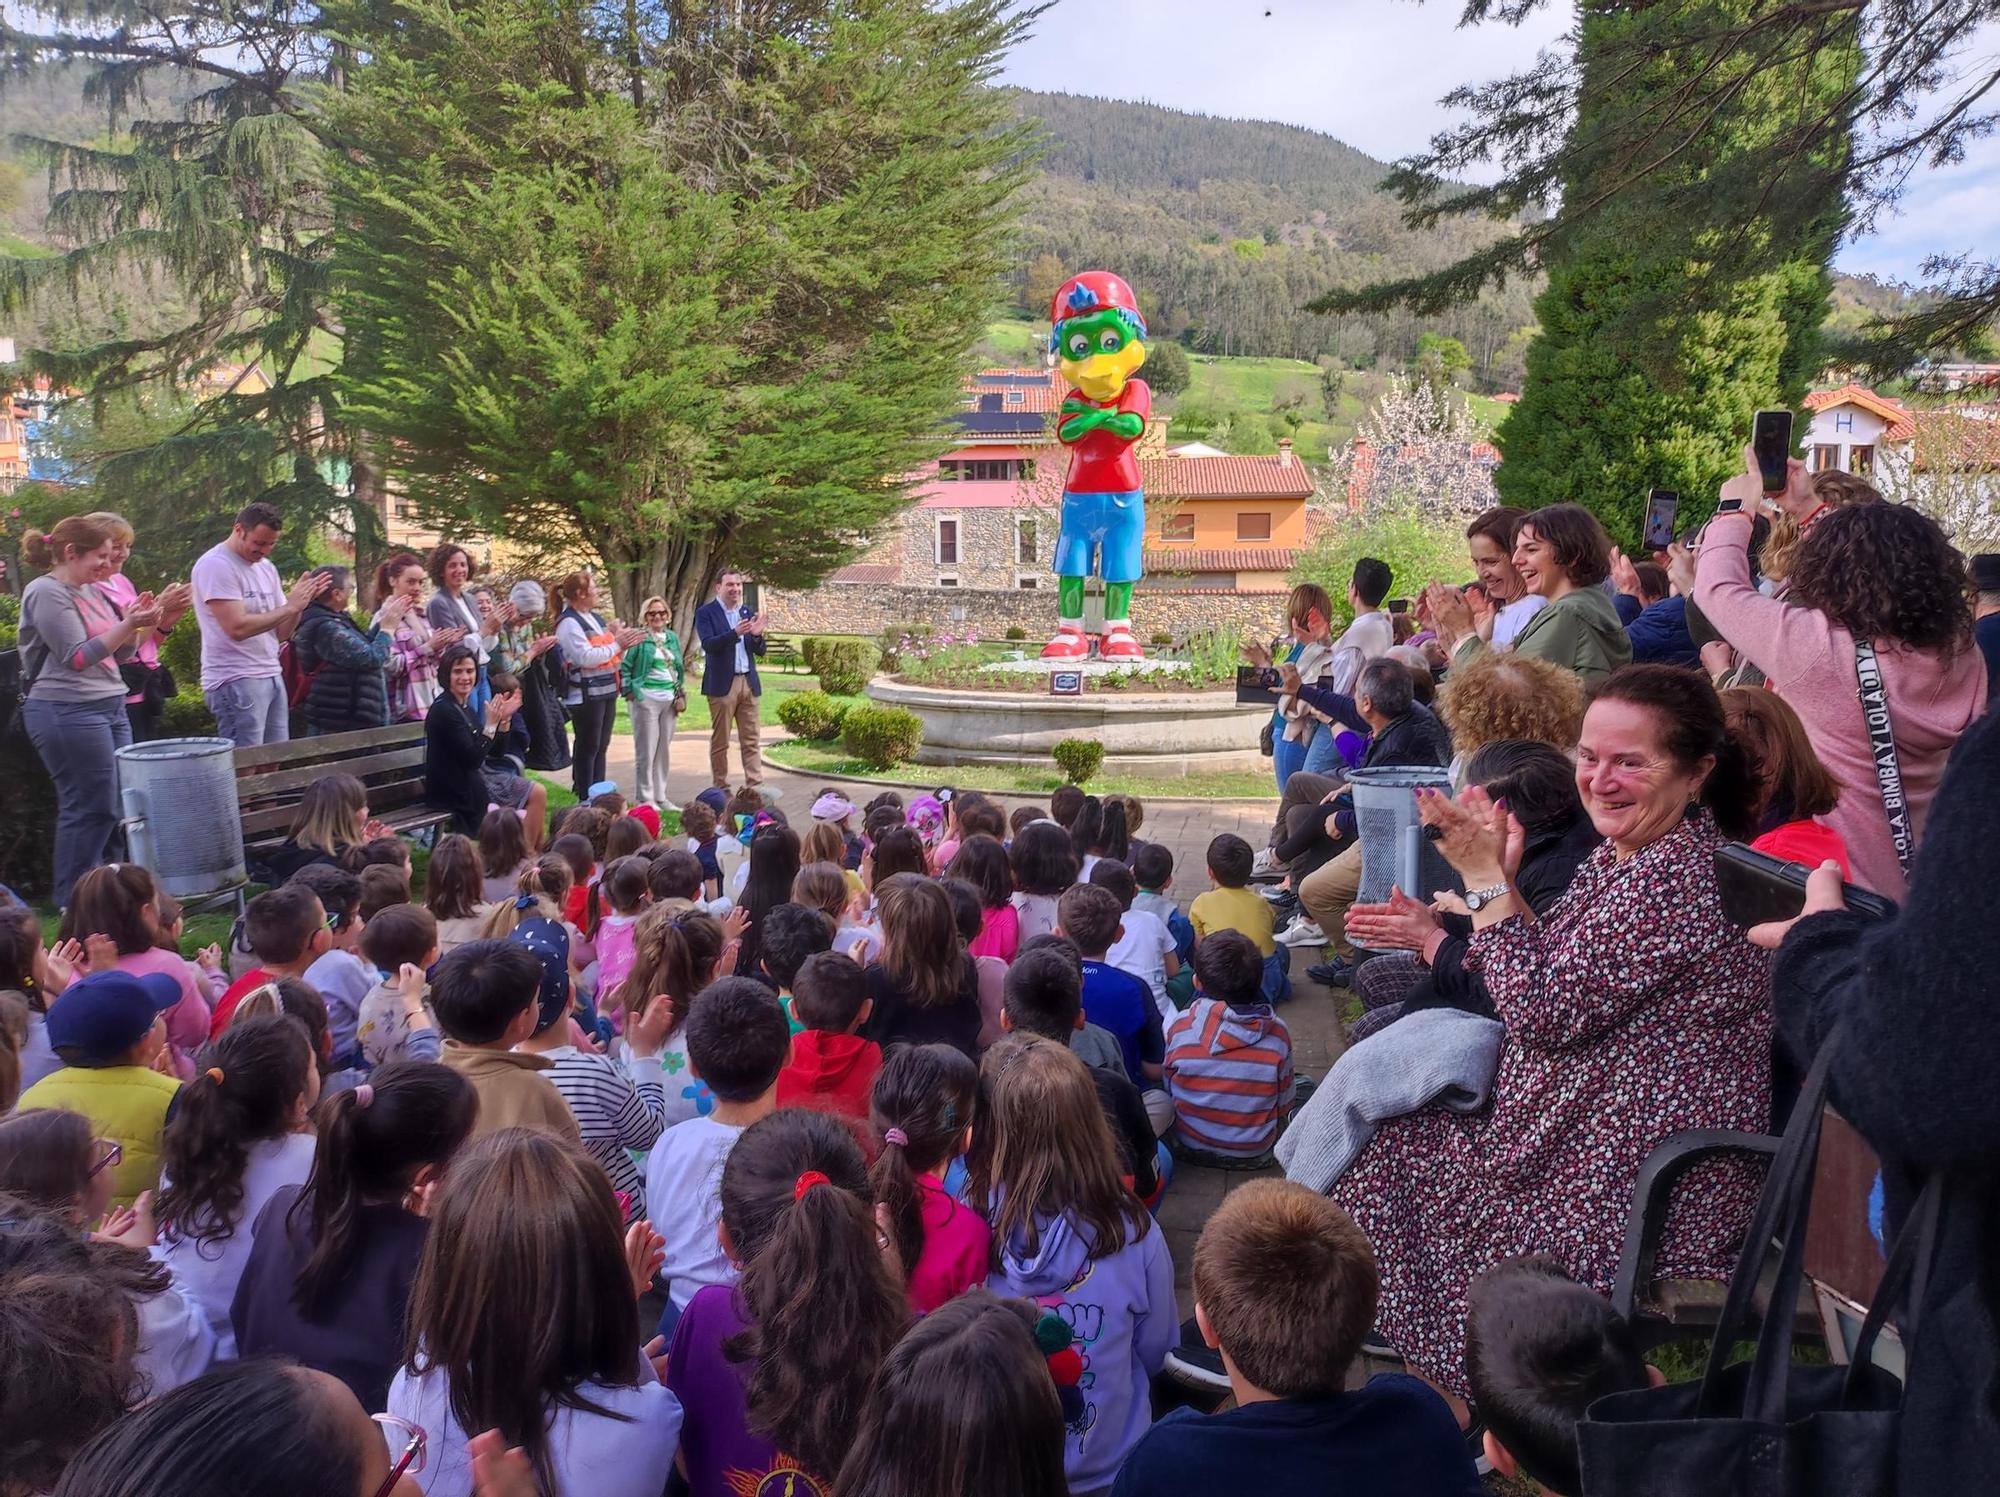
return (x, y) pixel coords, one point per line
(238, 1135)
(675, 955)
(923, 1109)
(543, 886)
(774, 1371)
(328, 1278)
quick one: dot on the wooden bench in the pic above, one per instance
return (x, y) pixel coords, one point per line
(271, 779)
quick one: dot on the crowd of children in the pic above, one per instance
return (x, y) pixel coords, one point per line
(717, 1159)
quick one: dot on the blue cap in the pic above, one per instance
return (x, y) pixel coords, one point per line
(100, 1017)
(715, 798)
(602, 787)
(549, 944)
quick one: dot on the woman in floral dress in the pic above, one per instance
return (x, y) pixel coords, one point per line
(1634, 1011)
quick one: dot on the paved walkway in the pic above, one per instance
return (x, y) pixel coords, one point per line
(1313, 1015)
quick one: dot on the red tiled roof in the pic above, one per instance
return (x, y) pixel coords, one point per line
(874, 573)
(1220, 559)
(1894, 412)
(1965, 443)
(1225, 478)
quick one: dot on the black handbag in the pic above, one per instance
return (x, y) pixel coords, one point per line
(1766, 1427)
(1267, 741)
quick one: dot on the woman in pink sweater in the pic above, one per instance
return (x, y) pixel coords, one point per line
(1882, 573)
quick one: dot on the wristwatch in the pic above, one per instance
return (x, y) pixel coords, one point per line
(1729, 507)
(1479, 898)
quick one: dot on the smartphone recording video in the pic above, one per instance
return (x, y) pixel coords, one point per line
(1771, 438)
(1662, 505)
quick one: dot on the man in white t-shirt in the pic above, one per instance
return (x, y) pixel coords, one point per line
(244, 612)
(1372, 632)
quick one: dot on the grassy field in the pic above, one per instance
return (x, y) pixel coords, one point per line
(1248, 384)
(1015, 342)
(825, 758)
(1487, 411)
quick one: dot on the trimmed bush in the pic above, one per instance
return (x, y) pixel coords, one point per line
(812, 715)
(1079, 759)
(811, 649)
(1016, 632)
(882, 737)
(844, 666)
(187, 716)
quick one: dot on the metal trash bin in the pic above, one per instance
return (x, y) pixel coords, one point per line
(182, 821)
(1394, 850)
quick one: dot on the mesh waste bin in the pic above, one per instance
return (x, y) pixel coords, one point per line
(1394, 850)
(181, 815)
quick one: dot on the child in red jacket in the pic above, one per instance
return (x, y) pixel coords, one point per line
(832, 1067)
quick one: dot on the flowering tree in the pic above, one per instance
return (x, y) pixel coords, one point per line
(1419, 448)
(1950, 469)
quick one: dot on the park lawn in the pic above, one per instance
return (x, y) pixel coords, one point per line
(830, 758)
(1015, 339)
(1246, 384)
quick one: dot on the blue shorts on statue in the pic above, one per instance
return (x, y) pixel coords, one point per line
(1110, 526)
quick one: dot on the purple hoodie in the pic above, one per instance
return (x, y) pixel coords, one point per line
(1122, 1311)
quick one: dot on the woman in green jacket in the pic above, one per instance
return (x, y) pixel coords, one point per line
(1563, 554)
(650, 678)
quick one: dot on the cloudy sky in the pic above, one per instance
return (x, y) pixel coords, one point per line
(1370, 72)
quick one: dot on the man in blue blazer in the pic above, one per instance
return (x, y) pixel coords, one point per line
(731, 640)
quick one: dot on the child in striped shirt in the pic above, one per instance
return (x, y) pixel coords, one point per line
(1229, 1057)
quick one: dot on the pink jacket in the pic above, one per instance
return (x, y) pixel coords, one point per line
(1810, 662)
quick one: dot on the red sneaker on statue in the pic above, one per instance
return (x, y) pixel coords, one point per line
(1070, 643)
(1117, 643)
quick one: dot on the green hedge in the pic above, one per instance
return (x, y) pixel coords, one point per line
(882, 737)
(843, 665)
(1079, 759)
(812, 715)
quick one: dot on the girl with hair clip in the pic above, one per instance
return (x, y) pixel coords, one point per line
(624, 891)
(238, 1134)
(524, 1319)
(923, 1107)
(675, 956)
(774, 863)
(454, 891)
(503, 855)
(1066, 1232)
(121, 901)
(982, 863)
(540, 891)
(825, 887)
(924, 987)
(966, 1404)
(54, 1164)
(774, 1370)
(328, 1278)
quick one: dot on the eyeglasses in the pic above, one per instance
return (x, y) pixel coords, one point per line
(656, 613)
(412, 1460)
(110, 1154)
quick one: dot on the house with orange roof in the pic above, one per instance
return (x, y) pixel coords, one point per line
(1850, 426)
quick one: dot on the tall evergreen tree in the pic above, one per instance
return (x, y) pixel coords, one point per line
(689, 316)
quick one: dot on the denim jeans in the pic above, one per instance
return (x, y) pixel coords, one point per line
(1322, 754)
(250, 710)
(1287, 758)
(78, 742)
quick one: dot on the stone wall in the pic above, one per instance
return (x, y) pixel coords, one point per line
(868, 608)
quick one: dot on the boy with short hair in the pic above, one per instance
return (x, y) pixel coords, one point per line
(1064, 804)
(1229, 1058)
(1540, 1348)
(1023, 816)
(287, 928)
(832, 1067)
(1145, 947)
(699, 821)
(737, 1042)
(791, 934)
(1090, 916)
(1153, 872)
(1232, 905)
(1044, 995)
(382, 884)
(109, 1029)
(1285, 1288)
(487, 996)
(342, 977)
(393, 1021)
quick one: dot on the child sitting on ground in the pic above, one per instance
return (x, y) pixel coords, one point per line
(773, 1371)
(1117, 1001)
(923, 1109)
(698, 821)
(1045, 997)
(832, 1067)
(737, 1042)
(792, 935)
(1540, 1348)
(1153, 872)
(624, 892)
(487, 997)
(342, 976)
(1045, 864)
(503, 853)
(825, 887)
(1145, 948)
(1233, 905)
(453, 890)
(286, 928)
(675, 956)
(982, 862)
(1047, 1174)
(1285, 1287)
(394, 1021)
(1229, 1058)
(924, 987)
(382, 884)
